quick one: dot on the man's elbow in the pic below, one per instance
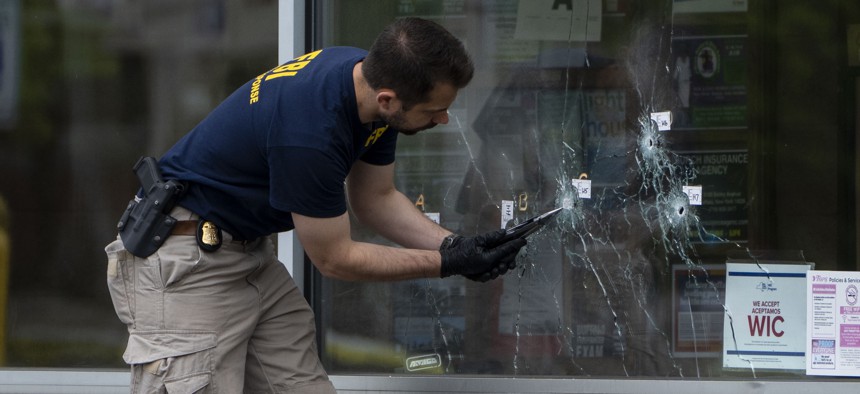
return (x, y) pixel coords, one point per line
(331, 268)
(363, 213)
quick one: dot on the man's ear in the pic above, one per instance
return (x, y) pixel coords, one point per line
(387, 100)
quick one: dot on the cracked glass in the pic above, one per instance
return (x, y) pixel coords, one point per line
(565, 110)
(658, 127)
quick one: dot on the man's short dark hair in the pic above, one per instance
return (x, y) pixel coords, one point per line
(412, 55)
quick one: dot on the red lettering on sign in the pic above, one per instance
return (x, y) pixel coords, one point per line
(765, 326)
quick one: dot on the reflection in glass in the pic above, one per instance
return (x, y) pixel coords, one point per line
(638, 125)
(99, 84)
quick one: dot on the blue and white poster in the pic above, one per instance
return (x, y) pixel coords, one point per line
(765, 323)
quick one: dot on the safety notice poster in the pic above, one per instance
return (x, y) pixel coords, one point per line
(833, 323)
(765, 316)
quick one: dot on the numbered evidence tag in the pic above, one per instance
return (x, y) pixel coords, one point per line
(507, 212)
(694, 193)
(663, 120)
(419, 203)
(583, 187)
(434, 216)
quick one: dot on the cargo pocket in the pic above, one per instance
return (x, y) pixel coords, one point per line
(119, 280)
(171, 361)
(189, 384)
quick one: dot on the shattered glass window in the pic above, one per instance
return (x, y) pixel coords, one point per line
(675, 136)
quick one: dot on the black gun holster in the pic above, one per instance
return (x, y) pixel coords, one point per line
(146, 222)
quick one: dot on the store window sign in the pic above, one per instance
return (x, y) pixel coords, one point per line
(710, 80)
(833, 323)
(559, 20)
(697, 310)
(765, 321)
(724, 209)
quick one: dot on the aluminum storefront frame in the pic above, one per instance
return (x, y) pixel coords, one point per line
(95, 382)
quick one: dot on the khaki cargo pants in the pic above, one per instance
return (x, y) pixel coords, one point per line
(230, 321)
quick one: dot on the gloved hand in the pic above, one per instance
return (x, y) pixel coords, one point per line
(479, 258)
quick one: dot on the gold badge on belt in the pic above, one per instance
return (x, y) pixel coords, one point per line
(208, 236)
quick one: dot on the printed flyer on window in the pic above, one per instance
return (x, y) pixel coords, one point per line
(833, 323)
(765, 316)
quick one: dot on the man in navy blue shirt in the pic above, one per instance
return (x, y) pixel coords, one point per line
(212, 308)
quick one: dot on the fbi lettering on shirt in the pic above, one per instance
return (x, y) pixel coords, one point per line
(374, 135)
(289, 69)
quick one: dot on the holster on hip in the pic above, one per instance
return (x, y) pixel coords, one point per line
(146, 222)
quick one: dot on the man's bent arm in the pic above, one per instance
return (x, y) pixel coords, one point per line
(378, 205)
(328, 243)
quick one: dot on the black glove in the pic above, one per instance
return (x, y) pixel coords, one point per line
(479, 258)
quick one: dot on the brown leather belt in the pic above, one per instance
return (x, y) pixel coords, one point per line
(189, 227)
(185, 227)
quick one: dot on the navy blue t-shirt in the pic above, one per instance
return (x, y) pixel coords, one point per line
(284, 142)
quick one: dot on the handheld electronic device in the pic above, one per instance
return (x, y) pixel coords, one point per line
(529, 226)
